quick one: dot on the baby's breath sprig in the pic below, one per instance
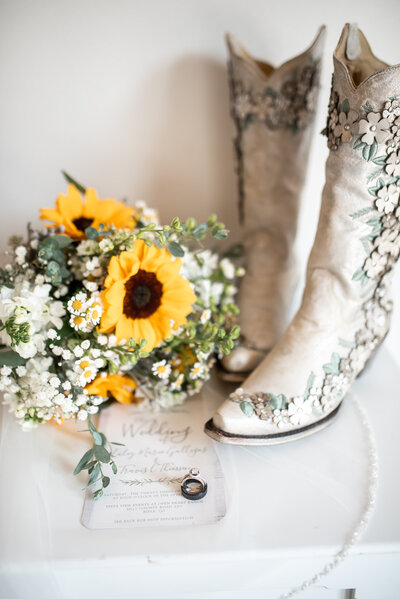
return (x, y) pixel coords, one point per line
(96, 458)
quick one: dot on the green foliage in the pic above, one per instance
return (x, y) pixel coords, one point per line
(69, 179)
(333, 366)
(344, 107)
(370, 151)
(50, 252)
(367, 107)
(175, 249)
(95, 459)
(18, 331)
(310, 383)
(247, 408)
(11, 358)
(278, 402)
(92, 233)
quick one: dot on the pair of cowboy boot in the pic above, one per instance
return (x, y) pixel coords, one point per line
(299, 378)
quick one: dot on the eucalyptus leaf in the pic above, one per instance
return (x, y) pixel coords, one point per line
(62, 240)
(83, 461)
(97, 438)
(98, 494)
(221, 234)
(105, 481)
(102, 454)
(11, 358)
(175, 249)
(200, 231)
(94, 474)
(92, 233)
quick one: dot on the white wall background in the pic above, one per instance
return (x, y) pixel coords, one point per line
(131, 97)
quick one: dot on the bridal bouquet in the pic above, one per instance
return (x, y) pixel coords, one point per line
(106, 304)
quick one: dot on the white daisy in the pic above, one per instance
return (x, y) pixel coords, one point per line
(161, 369)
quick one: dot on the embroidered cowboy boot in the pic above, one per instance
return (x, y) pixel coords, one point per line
(346, 306)
(273, 110)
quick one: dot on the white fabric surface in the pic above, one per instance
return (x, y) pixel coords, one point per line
(289, 508)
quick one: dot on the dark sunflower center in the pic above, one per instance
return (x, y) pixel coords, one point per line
(143, 294)
(82, 223)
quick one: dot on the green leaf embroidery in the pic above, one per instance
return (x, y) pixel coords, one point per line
(344, 343)
(366, 245)
(278, 402)
(247, 408)
(357, 276)
(374, 175)
(370, 151)
(365, 279)
(310, 383)
(367, 107)
(358, 144)
(380, 160)
(333, 366)
(345, 107)
(269, 91)
(361, 212)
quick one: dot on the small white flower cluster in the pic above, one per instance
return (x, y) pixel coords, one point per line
(35, 395)
(51, 308)
(180, 375)
(202, 270)
(145, 214)
(85, 311)
(29, 308)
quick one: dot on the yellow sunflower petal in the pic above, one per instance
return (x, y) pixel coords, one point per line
(129, 263)
(144, 330)
(71, 205)
(113, 299)
(124, 328)
(92, 204)
(51, 214)
(161, 323)
(115, 272)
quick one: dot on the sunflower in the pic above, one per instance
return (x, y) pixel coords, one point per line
(113, 385)
(143, 293)
(75, 215)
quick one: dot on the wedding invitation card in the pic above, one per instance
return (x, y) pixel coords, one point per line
(159, 448)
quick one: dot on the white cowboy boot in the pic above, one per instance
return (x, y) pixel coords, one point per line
(273, 110)
(345, 311)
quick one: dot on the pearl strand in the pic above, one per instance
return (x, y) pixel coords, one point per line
(354, 535)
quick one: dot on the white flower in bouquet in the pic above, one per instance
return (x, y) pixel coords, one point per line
(106, 304)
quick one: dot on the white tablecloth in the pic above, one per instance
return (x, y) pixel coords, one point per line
(289, 509)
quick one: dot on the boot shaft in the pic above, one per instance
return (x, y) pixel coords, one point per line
(273, 110)
(358, 235)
